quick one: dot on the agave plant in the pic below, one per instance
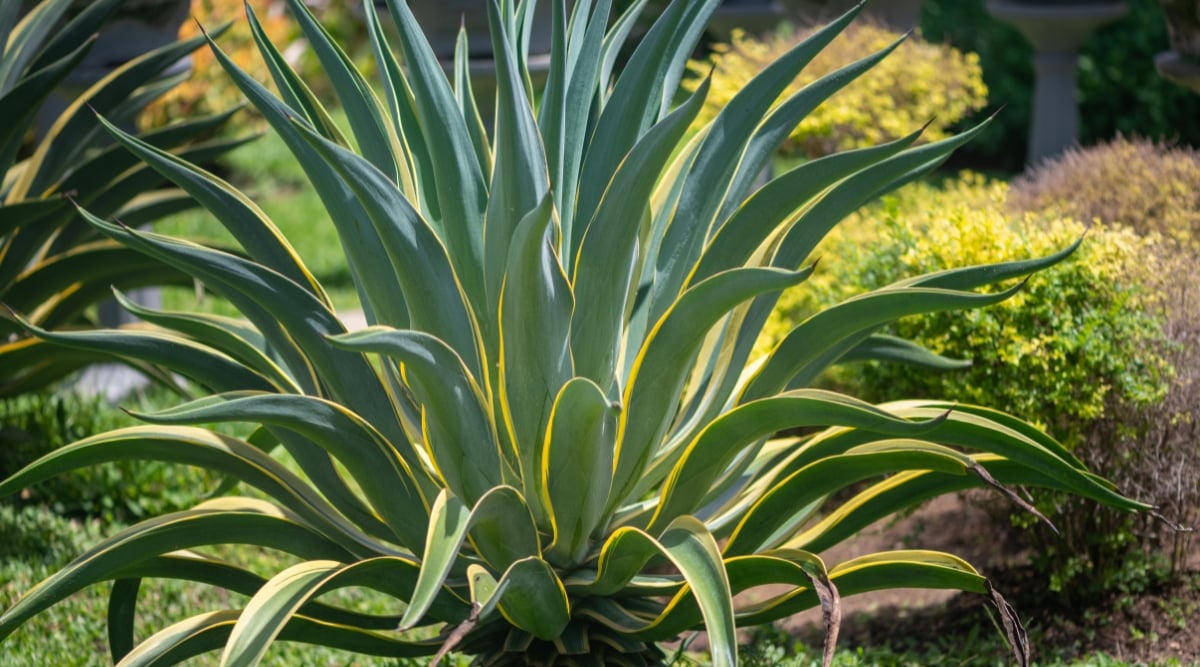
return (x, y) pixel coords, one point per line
(551, 445)
(53, 265)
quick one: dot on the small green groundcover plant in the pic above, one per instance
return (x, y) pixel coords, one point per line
(551, 445)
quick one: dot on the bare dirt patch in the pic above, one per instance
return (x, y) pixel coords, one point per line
(1158, 626)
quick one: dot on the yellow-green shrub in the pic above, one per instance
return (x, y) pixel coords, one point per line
(921, 82)
(1149, 186)
(1079, 334)
(1088, 349)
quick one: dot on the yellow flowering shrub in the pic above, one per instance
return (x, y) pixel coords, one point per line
(921, 82)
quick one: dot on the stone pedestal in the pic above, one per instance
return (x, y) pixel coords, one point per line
(1056, 30)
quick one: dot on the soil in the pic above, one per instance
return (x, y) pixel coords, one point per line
(1155, 627)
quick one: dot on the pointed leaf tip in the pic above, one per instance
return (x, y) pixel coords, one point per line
(1018, 639)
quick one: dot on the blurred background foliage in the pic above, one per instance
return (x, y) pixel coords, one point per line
(1119, 89)
(922, 82)
(209, 90)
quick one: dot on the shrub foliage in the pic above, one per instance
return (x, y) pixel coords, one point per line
(1095, 349)
(924, 82)
(1149, 186)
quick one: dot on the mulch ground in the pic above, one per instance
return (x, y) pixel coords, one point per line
(1160, 626)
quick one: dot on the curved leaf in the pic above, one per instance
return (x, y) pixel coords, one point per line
(457, 428)
(575, 460)
(662, 365)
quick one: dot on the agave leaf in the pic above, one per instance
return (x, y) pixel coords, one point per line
(208, 632)
(435, 300)
(927, 569)
(359, 239)
(417, 164)
(295, 93)
(1024, 428)
(718, 159)
(294, 321)
(690, 547)
(122, 607)
(772, 514)
(780, 122)
(26, 39)
(223, 521)
(231, 336)
(535, 318)
(449, 523)
(36, 363)
(503, 530)
(391, 478)
(578, 450)
(179, 641)
(975, 429)
(111, 163)
(531, 597)
(661, 368)
(30, 212)
(8, 20)
(69, 135)
(236, 212)
(565, 141)
(881, 347)
(711, 452)
(195, 361)
(550, 118)
(859, 188)
(458, 431)
(794, 355)
(274, 605)
(970, 277)
(362, 109)
(50, 286)
(519, 176)
(641, 96)
(83, 26)
(607, 259)
(464, 92)
(908, 490)
(312, 457)
(190, 446)
(16, 112)
(389, 575)
(461, 188)
(763, 212)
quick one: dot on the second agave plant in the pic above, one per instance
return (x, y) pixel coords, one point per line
(552, 444)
